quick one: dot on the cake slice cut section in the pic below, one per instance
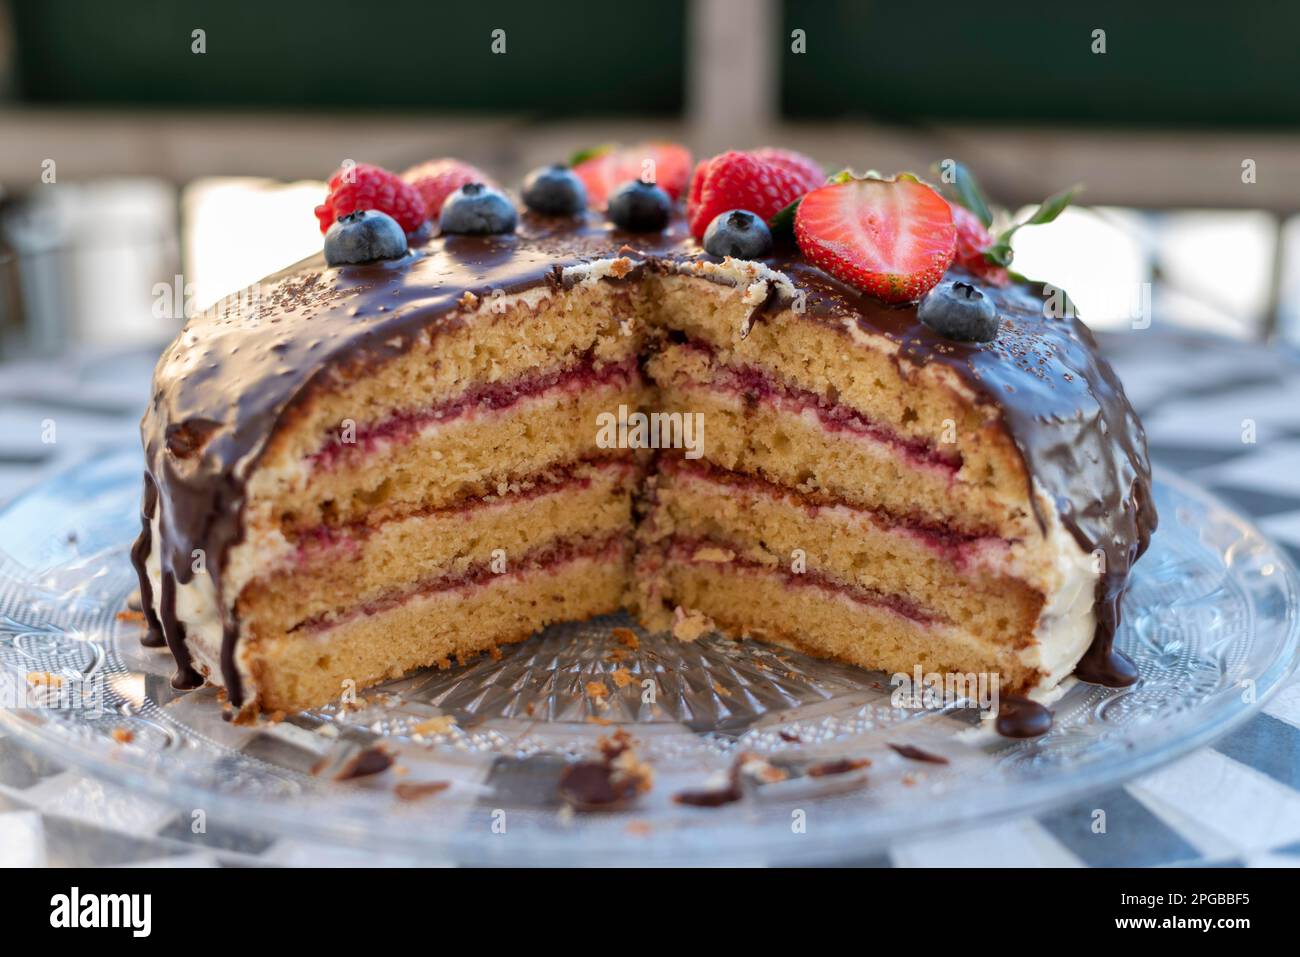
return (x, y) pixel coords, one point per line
(850, 503)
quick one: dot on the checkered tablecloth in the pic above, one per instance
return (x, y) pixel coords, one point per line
(1224, 414)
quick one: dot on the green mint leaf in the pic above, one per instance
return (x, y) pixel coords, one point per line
(968, 190)
(1000, 252)
(1053, 206)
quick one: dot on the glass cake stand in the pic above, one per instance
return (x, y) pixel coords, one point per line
(1210, 618)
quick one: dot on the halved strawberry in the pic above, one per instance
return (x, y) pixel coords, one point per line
(736, 180)
(972, 240)
(893, 239)
(437, 179)
(668, 163)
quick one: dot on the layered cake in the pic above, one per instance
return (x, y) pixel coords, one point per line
(818, 413)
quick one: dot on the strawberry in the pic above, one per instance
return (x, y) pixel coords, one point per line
(805, 167)
(366, 186)
(972, 240)
(893, 239)
(437, 179)
(736, 180)
(602, 173)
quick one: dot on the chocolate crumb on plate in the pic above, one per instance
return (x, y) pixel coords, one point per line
(913, 753)
(415, 790)
(610, 782)
(595, 785)
(837, 766)
(358, 764)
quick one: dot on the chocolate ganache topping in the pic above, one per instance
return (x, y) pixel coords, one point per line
(239, 369)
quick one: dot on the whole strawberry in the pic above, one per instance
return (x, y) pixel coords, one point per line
(893, 239)
(736, 180)
(437, 179)
(972, 240)
(366, 186)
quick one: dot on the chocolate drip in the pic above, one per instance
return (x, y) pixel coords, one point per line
(153, 636)
(241, 370)
(1021, 718)
(186, 678)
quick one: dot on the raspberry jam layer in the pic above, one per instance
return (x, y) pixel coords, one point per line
(609, 548)
(587, 374)
(315, 543)
(958, 546)
(757, 385)
(703, 551)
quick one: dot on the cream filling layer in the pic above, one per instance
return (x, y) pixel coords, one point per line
(1068, 620)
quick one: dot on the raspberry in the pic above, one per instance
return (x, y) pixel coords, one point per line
(805, 167)
(972, 240)
(438, 179)
(737, 180)
(372, 187)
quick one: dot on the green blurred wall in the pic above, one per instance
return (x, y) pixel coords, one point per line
(561, 58)
(1189, 64)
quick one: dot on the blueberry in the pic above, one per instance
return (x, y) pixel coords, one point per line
(364, 236)
(958, 310)
(476, 210)
(555, 191)
(738, 232)
(640, 207)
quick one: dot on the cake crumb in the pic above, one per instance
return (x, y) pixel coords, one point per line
(626, 636)
(131, 615)
(442, 724)
(123, 736)
(622, 677)
(598, 690)
(597, 720)
(620, 267)
(761, 770)
(44, 679)
(690, 625)
(468, 300)
(721, 690)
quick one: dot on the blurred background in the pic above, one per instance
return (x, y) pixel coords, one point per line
(156, 156)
